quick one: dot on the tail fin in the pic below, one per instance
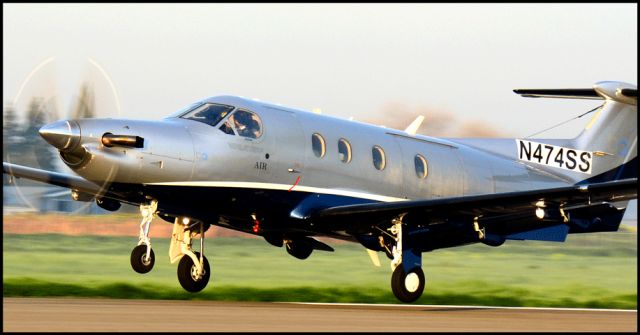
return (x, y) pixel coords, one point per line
(611, 135)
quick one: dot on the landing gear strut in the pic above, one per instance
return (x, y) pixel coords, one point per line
(142, 256)
(193, 270)
(407, 280)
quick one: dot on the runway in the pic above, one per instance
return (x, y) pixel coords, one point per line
(115, 315)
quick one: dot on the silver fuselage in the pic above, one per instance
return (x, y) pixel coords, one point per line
(181, 151)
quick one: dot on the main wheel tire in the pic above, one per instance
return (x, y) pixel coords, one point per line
(407, 287)
(187, 274)
(138, 259)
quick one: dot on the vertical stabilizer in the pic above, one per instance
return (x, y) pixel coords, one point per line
(612, 133)
(611, 136)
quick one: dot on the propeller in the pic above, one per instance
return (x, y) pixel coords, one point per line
(38, 102)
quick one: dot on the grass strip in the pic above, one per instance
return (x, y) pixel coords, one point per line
(496, 296)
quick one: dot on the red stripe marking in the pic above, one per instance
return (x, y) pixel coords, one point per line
(294, 184)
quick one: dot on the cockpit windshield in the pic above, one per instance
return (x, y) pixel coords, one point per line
(184, 109)
(233, 121)
(208, 113)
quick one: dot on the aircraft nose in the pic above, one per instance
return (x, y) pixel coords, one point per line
(64, 135)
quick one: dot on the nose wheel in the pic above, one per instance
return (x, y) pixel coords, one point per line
(140, 262)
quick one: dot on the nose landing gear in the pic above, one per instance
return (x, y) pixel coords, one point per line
(142, 256)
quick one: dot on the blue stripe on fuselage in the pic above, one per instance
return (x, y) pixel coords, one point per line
(624, 171)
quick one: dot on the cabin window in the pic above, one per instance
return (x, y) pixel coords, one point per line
(210, 114)
(246, 124)
(344, 150)
(421, 166)
(379, 161)
(318, 145)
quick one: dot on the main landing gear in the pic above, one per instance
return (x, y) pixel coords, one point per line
(407, 280)
(193, 270)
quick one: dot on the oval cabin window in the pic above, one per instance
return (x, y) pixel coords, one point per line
(318, 145)
(421, 166)
(344, 150)
(379, 161)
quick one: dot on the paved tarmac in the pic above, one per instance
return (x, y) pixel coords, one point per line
(115, 315)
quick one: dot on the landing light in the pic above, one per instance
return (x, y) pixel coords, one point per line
(540, 213)
(185, 221)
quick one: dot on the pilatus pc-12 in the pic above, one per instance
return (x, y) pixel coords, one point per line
(290, 176)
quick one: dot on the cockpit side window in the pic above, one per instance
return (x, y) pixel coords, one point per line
(210, 114)
(226, 128)
(246, 124)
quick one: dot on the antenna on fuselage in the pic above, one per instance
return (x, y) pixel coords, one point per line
(413, 127)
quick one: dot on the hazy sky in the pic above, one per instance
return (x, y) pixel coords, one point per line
(348, 60)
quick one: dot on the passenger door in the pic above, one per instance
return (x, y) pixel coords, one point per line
(286, 145)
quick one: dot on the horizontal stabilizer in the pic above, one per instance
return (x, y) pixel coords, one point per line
(611, 90)
(567, 93)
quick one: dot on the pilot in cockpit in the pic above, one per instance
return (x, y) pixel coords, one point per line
(245, 124)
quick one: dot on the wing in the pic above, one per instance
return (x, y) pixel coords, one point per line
(534, 214)
(60, 179)
(49, 177)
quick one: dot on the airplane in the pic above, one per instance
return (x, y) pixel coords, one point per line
(291, 176)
